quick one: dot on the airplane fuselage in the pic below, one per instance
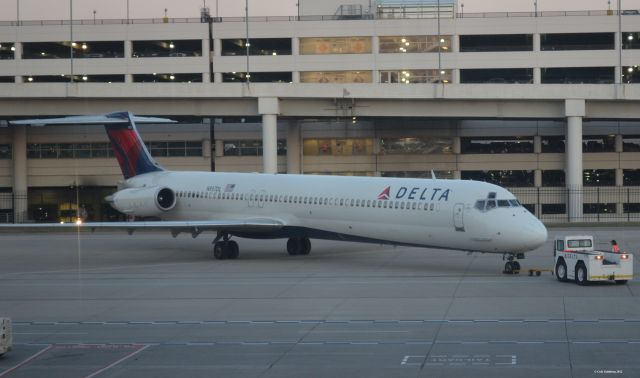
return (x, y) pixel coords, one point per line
(419, 212)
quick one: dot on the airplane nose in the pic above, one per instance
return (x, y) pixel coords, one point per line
(536, 234)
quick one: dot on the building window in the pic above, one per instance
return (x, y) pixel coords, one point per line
(336, 77)
(335, 45)
(496, 42)
(496, 145)
(249, 148)
(5, 151)
(175, 149)
(552, 144)
(577, 41)
(554, 208)
(173, 48)
(631, 40)
(7, 79)
(447, 175)
(7, 50)
(497, 76)
(508, 178)
(553, 178)
(257, 46)
(257, 77)
(578, 75)
(338, 147)
(631, 143)
(631, 74)
(81, 50)
(599, 177)
(416, 146)
(416, 76)
(75, 79)
(415, 44)
(631, 207)
(631, 177)
(599, 143)
(168, 78)
(599, 208)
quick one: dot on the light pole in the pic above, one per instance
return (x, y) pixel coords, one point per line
(94, 16)
(127, 11)
(535, 7)
(461, 10)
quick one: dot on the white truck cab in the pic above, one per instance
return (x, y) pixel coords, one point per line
(576, 259)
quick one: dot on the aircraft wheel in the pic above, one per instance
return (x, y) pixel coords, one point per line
(233, 250)
(305, 243)
(293, 246)
(581, 274)
(561, 271)
(508, 268)
(219, 251)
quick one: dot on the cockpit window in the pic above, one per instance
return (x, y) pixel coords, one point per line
(514, 203)
(492, 195)
(503, 203)
(480, 205)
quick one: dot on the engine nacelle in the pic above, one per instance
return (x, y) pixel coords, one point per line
(144, 202)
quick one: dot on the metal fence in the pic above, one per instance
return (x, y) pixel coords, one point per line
(589, 205)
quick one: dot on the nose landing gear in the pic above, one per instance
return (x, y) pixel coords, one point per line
(512, 266)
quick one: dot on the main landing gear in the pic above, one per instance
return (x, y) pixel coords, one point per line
(512, 266)
(298, 246)
(223, 248)
(226, 249)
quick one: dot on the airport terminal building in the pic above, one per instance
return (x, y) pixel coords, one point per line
(546, 104)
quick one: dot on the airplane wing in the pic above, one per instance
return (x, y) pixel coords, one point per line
(176, 227)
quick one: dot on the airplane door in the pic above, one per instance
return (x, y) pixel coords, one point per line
(458, 217)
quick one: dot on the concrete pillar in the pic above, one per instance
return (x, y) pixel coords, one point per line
(618, 70)
(206, 77)
(128, 78)
(457, 148)
(619, 143)
(295, 46)
(19, 173)
(217, 77)
(574, 110)
(537, 144)
(269, 108)
(128, 49)
(620, 198)
(293, 147)
(537, 75)
(375, 45)
(537, 178)
(456, 76)
(217, 47)
(457, 175)
(455, 43)
(536, 42)
(206, 148)
(295, 77)
(219, 148)
(17, 54)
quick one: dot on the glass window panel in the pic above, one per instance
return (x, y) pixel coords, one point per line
(496, 145)
(631, 143)
(335, 45)
(324, 77)
(552, 144)
(417, 146)
(553, 178)
(507, 178)
(415, 44)
(5, 151)
(416, 76)
(599, 177)
(599, 143)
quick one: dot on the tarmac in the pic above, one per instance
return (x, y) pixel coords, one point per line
(148, 305)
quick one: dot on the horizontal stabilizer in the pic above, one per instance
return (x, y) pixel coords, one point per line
(91, 120)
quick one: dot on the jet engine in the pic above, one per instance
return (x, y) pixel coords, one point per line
(143, 202)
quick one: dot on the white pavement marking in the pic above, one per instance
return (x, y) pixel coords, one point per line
(2, 374)
(117, 362)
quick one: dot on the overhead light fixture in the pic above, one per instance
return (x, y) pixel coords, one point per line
(42, 53)
(406, 43)
(630, 37)
(13, 48)
(84, 46)
(73, 44)
(441, 40)
(171, 77)
(404, 40)
(30, 79)
(274, 53)
(442, 72)
(171, 45)
(630, 69)
(85, 78)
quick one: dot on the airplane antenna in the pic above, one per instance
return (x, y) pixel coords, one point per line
(433, 175)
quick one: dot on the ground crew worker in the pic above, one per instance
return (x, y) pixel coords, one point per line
(614, 247)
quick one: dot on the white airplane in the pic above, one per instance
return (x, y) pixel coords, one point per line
(448, 214)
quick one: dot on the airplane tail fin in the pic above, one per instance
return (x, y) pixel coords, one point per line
(128, 147)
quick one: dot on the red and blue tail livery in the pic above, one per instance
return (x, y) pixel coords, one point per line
(128, 147)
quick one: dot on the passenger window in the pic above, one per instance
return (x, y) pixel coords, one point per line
(431, 207)
(341, 202)
(413, 207)
(384, 204)
(357, 203)
(351, 203)
(402, 205)
(315, 200)
(397, 204)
